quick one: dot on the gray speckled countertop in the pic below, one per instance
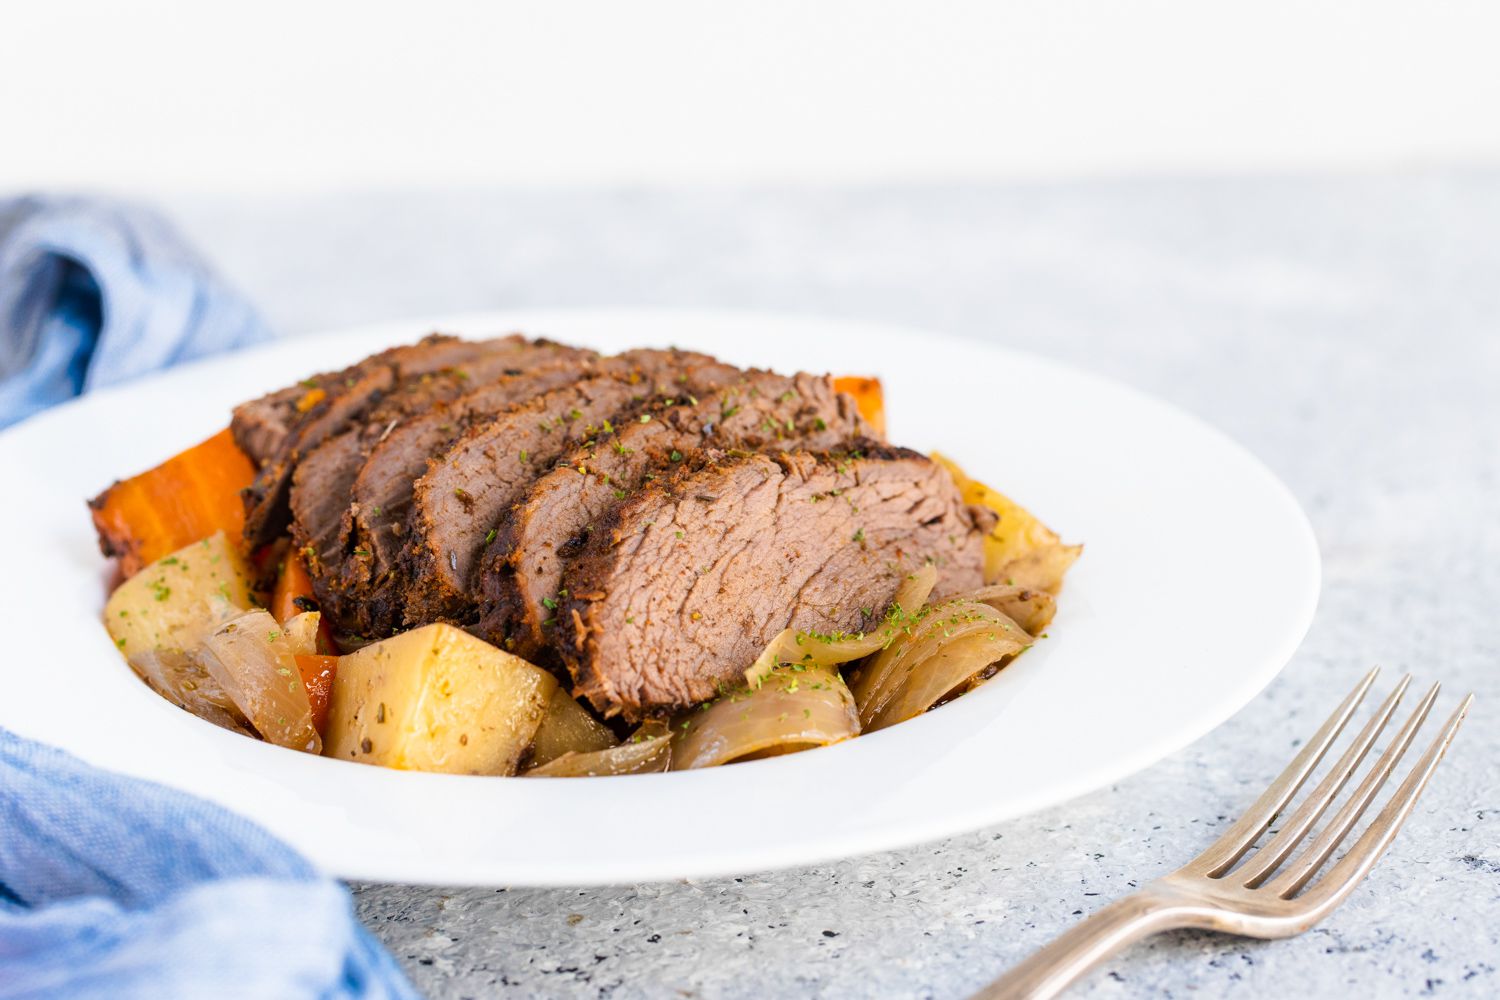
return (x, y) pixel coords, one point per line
(1346, 329)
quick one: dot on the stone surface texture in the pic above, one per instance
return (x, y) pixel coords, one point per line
(1345, 328)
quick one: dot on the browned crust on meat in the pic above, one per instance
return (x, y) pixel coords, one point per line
(330, 404)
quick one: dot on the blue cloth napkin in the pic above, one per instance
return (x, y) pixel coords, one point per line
(93, 293)
(119, 888)
(110, 886)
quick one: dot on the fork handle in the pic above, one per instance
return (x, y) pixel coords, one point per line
(1060, 962)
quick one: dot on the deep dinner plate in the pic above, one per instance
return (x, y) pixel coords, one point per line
(1198, 580)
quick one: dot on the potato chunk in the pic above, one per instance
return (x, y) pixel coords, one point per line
(436, 699)
(171, 604)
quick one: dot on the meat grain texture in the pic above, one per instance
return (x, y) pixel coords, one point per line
(691, 578)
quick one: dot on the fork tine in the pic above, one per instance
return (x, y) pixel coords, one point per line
(1306, 865)
(1341, 879)
(1235, 841)
(1265, 861)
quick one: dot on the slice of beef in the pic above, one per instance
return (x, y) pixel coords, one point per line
(687, 580)
(261, 426)
(319, 497)
(521, 575)
(361, 586)
(324, 481)
(459, 503)
(371, 587)
(332, 406)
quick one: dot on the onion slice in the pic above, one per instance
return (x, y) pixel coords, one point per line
(183, 680)
(939, 650)
(791, 708)
(567, 728)
(302, 632)
(649, 750)
(252, 660)
(1028, 607)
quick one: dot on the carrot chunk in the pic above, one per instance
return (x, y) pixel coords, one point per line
(317, 676)
(293, 595)
(868, 395)
(188, 497)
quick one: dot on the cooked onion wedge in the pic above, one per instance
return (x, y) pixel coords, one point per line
(567, 728)
(650, 749)
(185, 682)
(1030, 608)
(302, 632)
(933, 656)
(791, 708)
(251, 658)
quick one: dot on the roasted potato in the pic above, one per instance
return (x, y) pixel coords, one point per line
(174, 602)
(436, 699)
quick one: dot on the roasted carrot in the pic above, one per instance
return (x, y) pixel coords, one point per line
(186, 498)
(868, 395)
(317, 676)
(294, 595)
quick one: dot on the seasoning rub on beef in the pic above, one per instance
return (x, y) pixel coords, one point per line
(280, 429)
(323, 485)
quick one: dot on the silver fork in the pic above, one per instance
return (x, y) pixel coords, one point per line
(1268, 896)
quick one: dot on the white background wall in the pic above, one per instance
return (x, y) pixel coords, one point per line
(275, 96)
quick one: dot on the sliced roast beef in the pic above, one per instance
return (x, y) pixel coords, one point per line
(261, 426)
(459, 503)
(330, 406)
(366, 592)
(683, 584)
(319, 497)
(521, 574)
(324, 482)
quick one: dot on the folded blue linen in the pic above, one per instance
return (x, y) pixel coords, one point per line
(111, 887)
(93, 293)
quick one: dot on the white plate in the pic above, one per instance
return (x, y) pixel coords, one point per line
(1198, 581)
